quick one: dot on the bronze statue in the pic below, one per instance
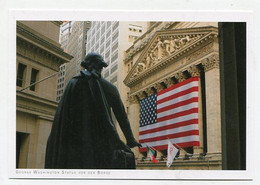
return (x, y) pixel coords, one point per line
(83, 134)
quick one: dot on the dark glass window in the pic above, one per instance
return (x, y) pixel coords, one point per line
(20, 75)
(34, 76)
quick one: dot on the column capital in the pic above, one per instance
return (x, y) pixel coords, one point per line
(194, 70)
(149, 91)
(158, 87)
(133, 99)
(179, 76)
(169, 82)
(141, 95)
(211, 62)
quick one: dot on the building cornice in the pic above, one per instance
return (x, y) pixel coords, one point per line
(200, 36)
(36, 99)
(43, 44)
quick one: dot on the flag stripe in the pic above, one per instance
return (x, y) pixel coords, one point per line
(177, 110)
(170, 136)
(180, 84)
(169, 131)
(169, 96)
(176, 125)
(172, 106)
(164, 147)
(177, 100)
(171, 114)
(171, 121)
(179, 114)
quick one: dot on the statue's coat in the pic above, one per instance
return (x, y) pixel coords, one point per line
(83, 135)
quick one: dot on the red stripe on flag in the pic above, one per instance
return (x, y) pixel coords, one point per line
(191, 100)
(170, 136)
(178, 85)
(183, 113)
(165, 147)
(170, 126)
(182, 93)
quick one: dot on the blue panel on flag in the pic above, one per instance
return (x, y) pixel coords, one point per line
(148, 111)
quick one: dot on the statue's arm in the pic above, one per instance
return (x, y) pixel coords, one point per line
(121, 116)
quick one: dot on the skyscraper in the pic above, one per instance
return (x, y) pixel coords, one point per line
(73, 41)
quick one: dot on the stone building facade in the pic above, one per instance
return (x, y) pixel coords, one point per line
(38, 56)
(169, 53)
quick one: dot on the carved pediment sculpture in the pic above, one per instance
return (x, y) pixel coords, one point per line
(165, 45)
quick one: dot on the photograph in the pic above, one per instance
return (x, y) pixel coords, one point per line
(129, 95)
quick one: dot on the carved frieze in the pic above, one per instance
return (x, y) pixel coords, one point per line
(169, 82)
(205, 50)
(211, 62)
(133, 99)
(194, 70)
(158, 87)
(168, 47)
(179, 76)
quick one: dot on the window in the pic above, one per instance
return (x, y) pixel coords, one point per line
(115, 26)
(20, 75)
(114, 57)
(115, 36)
(113, 69)
(115, 47)
(34, 77)
(106, 74)
(114, 79)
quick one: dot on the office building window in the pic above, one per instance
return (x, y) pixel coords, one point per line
(114, 57)
(114, 68)
(114, 79)
(20, 75)
(115, 46)
(108, 34)
(115, 36)
(115, 26)
(106, 74)
(34, 77)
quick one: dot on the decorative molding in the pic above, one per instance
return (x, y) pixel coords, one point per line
(169, 82)
(179, 76)
(168, 46)
(198, 54)
(36, 110)
(28, 38)
(133, 99)
(158, 86)
(141, 95)
(194, 70)
(149, 91)
(211, 62)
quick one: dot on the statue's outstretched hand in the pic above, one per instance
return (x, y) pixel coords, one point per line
(133, 143)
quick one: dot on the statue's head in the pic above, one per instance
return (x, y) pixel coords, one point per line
(93, 61)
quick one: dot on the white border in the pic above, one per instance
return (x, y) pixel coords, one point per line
(80, 15)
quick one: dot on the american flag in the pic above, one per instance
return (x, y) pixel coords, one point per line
(170, 115)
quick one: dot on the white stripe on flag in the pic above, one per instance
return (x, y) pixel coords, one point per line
(177, 90)
(169, 122)
(170, 131)
(178, 109)
(177, 100)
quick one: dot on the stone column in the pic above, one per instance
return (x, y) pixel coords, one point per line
(42, 132)
(194, 71)
(134, 111)
(212, 85)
